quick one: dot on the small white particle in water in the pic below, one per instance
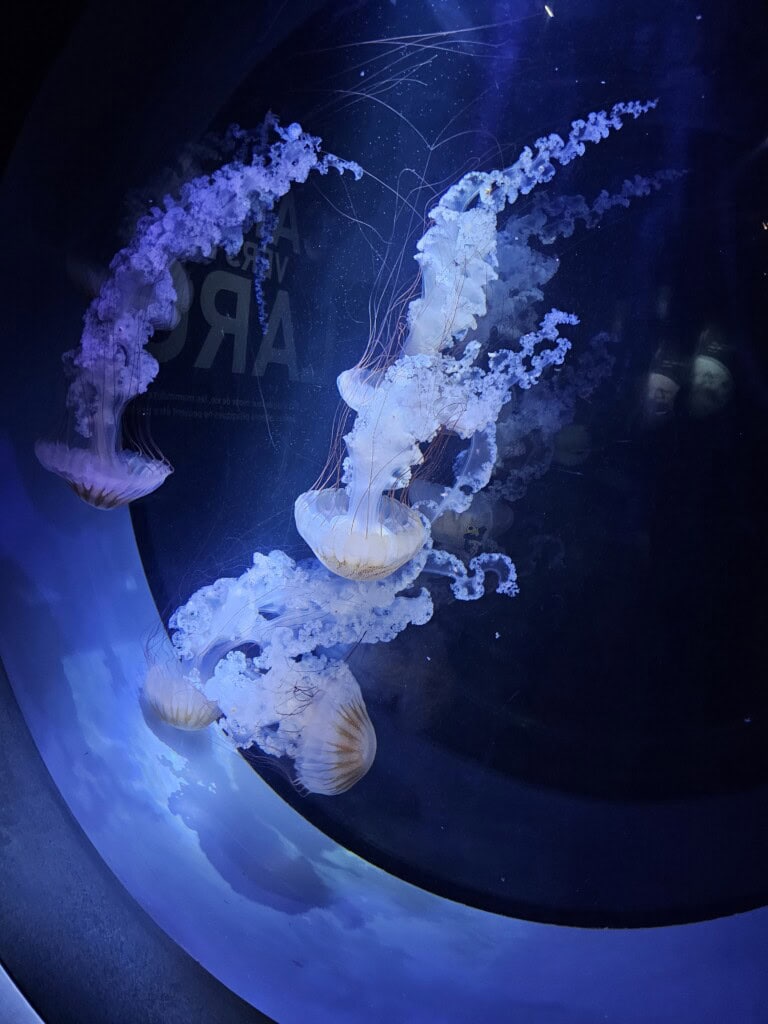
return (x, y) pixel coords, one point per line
(362, 74)
(428, 658)
(497, 635)
(748, 721)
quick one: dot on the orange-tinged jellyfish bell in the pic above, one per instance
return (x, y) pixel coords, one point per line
(176, 701)
(359, 531)
(337, 744)
(369, 545)
(104, 479)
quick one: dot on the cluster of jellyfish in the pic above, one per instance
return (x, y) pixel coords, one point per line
(472, 339)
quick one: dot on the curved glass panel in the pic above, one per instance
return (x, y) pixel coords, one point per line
(589, 752)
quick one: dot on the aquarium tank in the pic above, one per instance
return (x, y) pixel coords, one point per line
(384, 410)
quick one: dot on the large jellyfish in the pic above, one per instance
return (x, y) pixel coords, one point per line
(111, 365)
(265, 653)
(436, 381)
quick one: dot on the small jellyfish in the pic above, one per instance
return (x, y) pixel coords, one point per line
(711, 384)
(337, 745)
(106, 373)
(145, 291)
(103, 383)
(176, 701)
(103, 476)
(660, 394)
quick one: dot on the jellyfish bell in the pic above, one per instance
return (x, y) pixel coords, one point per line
(309, 710)
(103, 479)
(94, 463)
(367, 545)
(659, 400)
(662, 383)
(176, 701)
(337, 743)
(711, 384)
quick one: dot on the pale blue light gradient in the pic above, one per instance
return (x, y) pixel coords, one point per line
(281, 914)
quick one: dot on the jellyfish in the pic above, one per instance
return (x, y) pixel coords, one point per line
(111, 366)
(435, 382)
(337, 744)
(95, 464)
(661, 385)
(176, 701)
(711, 383)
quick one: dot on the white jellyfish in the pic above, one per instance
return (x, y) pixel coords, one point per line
(94, 463)
(177, 701)
(103, 476)
(252, 656)
(435, 382)
(337, 745)
(711, 384)
(140, 295)
(359, 532)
